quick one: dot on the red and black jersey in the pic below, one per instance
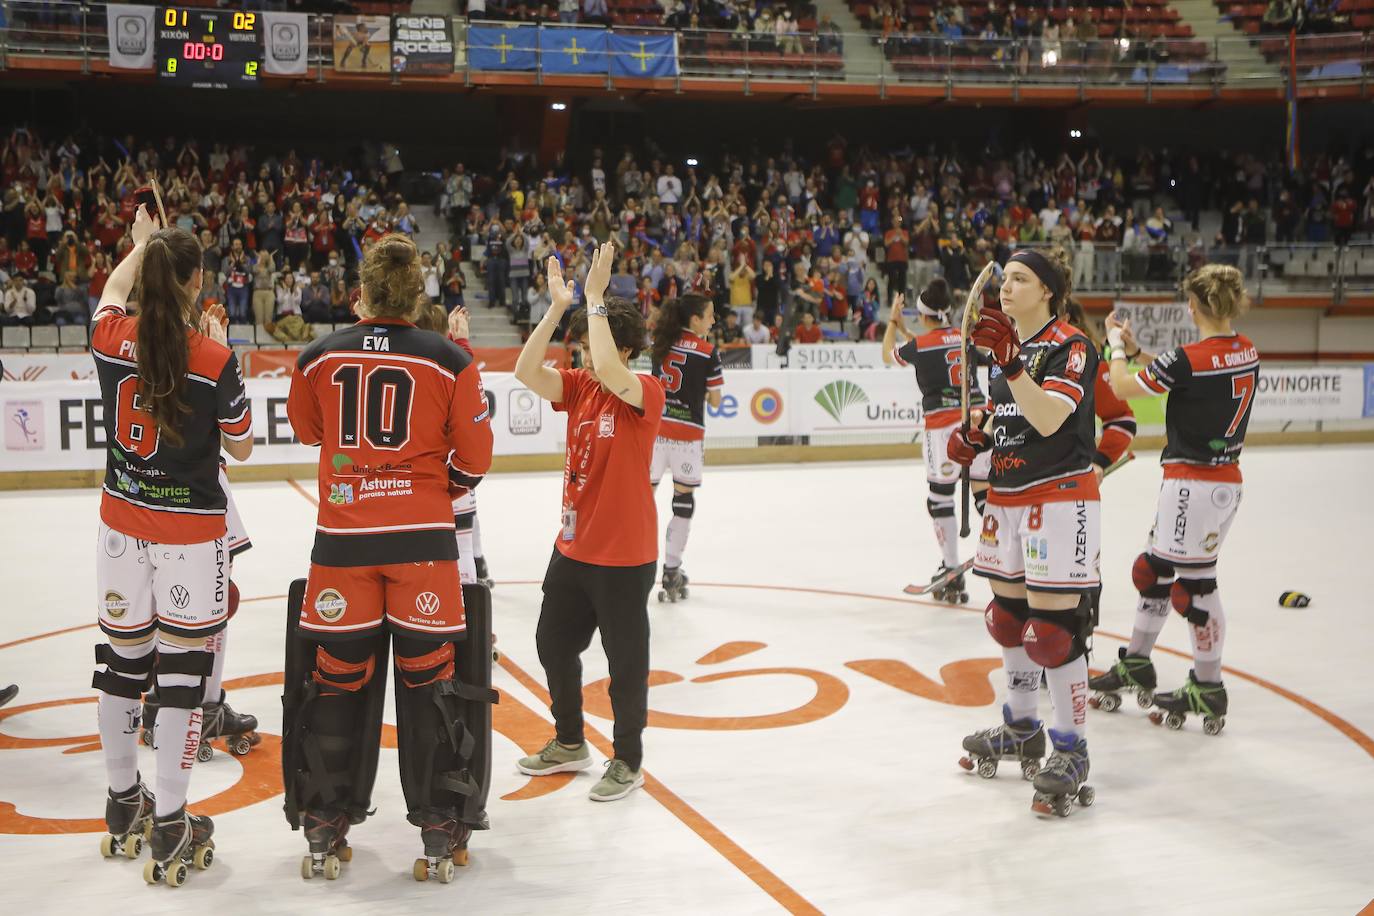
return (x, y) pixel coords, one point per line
(935, 357)
(398, 413)
(1118, 420)
(1211, 386)
(154, 490)
(691, 368)
(1026, 466)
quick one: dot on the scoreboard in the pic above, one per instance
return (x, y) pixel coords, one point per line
(208, 48)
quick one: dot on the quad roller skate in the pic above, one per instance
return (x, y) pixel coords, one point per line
(1201, 698)
(674, 585)
(1130, 673)
(325, 831)
(446, 843)
(179, 841)
(483, 574)
(1064, 777)
(948, 585)
(239, 731)
(1022, 739)
(129, 818)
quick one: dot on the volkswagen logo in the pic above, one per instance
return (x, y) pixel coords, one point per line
(180, 596)
(427, 603)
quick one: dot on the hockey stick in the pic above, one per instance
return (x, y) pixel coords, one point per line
(971, 312)
(952, 574)
(157, 196)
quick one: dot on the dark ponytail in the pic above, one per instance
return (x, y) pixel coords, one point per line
(673, 318)
(936, 294)
(170, 258)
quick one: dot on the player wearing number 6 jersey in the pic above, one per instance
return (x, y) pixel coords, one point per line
(399, 414)
(173, 396)
(690, 371)
(1211, 386)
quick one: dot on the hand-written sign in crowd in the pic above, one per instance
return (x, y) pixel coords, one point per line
(1159, 326)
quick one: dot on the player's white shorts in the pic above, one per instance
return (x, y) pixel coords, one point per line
(1192, 520)
(682, 458)
(188, 584)
(236, 539)
(1052, 546)
(940, 468)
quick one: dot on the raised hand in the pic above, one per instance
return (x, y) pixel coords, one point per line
(599, 276)
(144, 226)
(560, 291)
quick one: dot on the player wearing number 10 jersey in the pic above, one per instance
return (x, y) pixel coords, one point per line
(1211, 386)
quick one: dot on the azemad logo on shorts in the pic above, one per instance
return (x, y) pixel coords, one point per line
(330, 605)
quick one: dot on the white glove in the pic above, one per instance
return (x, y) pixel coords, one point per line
(1114, 338)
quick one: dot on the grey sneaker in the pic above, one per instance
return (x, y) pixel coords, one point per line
(618, 782)
(555, 758)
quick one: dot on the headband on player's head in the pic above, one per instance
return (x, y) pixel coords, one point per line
(927, 310)
(1042, 268)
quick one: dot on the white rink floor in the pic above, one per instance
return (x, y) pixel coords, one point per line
(808, 765)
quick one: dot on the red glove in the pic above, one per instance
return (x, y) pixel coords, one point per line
(964, 445)
(996, 332)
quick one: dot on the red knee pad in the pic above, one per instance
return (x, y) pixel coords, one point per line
(349, 677)
(1181, 597)
(1146, 572)
(1004, 626)
(233, 599)
(428, 668)
(1047, 643)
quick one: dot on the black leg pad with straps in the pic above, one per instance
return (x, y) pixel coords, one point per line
(115, 684)
(196, 664)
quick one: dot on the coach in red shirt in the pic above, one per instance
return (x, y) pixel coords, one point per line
(606, 552)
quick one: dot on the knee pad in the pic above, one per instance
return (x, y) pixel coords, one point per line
(1183, 592)
(233, 600)
(684, 504)
(1005, 619)
(940, 503)
(1146, 572)
(336, 675)
(1055, 641)
(123, 677)
(980, 501)
(197, 663)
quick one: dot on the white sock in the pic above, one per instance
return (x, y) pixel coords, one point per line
(947, 536)
(1150, 614)
(467, 560)
(177, 738)
(118, 719)
(1207, 641)
(215, 645)
(676, 542)
(1069, 694)
(1023, 682)
(476, 536)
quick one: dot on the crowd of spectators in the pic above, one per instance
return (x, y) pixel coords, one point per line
(785, 236)
(1305, 17)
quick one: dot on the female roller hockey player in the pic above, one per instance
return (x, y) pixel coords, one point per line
(690, 371)
(173, 396)
(934, 354)
(1211, 386)
(1039, 543)
(603, 561)
(400, 415)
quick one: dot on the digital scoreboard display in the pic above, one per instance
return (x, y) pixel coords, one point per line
(209, 48)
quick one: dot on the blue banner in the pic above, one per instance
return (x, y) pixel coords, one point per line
(643, 55)
(1369, 390)
(572, 50)
(502, 47)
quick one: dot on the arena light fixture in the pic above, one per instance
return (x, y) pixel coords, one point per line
(692, 163)
(559, 106)
(1076, 134)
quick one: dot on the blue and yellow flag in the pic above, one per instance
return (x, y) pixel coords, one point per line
(500, 47)
(572, 50)
(643, 55)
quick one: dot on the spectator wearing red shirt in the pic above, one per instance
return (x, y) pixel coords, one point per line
(895, 240)
(25, 261)
(606, 552)
(1343, 210)
(808, 332)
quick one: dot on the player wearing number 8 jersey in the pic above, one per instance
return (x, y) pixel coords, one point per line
(1211, 386)
(173, 396)
(399, 414)
(690, 371)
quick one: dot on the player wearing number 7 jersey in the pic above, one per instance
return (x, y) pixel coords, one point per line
(1211, 386)
(399, 415)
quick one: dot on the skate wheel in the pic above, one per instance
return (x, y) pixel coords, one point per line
(1157, 718)
(1212, 726)
(146, 737)
(205, 752)
(1174, 720)
(133, 845)
(1110, 702)
(345, 853)
(307, 867)
(1086, 796)
(332, 868)
(152, 872)
(963, 597)
(1040, 804)
(204, 857)
(1062, 805)
(420, 870)
(662, 596)
(107, 846)
(1029, 769)
(176, 875)
(966, 763)
(239, 746)
(1144, 698)
(987, 768)
(444, 871)
(460, 857)
(683, 594)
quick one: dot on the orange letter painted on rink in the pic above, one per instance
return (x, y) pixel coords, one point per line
(965, 682)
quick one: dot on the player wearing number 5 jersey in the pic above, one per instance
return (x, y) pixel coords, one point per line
(690, 371)
(399, 414)
(1211, 386)
(173, 396)
(934, 354)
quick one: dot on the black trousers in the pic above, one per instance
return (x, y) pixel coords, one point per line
(580, 598)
